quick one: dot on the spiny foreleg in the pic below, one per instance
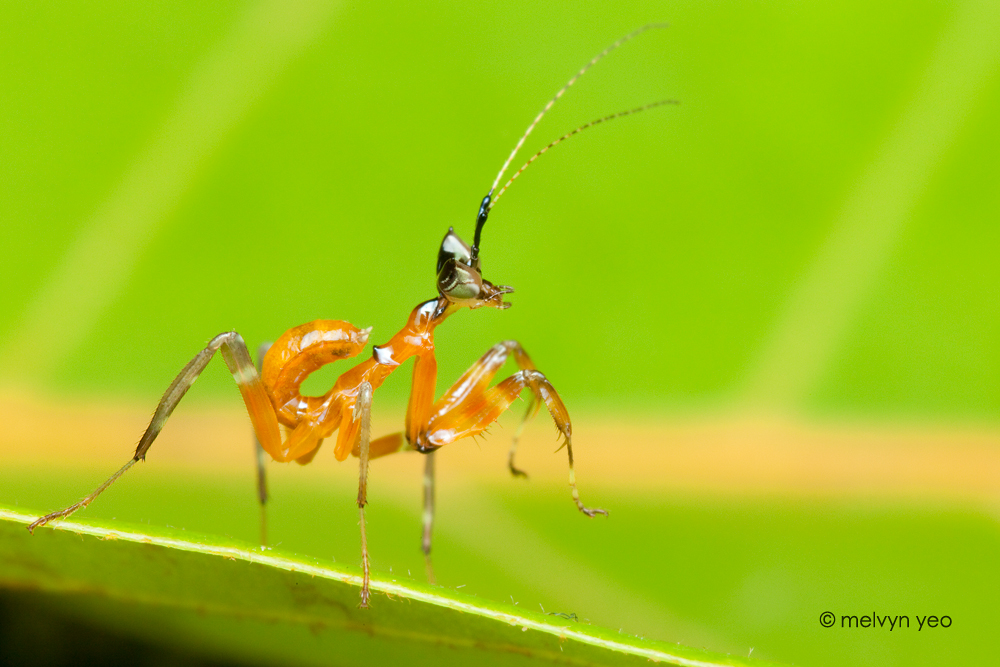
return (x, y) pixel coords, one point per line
(478, 407)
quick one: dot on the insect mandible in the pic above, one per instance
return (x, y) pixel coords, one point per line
(271, 390)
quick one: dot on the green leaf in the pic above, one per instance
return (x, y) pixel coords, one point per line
(254, 603)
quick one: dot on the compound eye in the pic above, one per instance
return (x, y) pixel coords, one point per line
(459, 282)
(455, 248)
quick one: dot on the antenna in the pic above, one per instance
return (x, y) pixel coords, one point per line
(490, 204)
(488, 201)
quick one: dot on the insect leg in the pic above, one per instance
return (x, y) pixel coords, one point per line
(362, 413)
(477, 379)
(532, 410)
(428, 518)
(480, 408)
(237, 358)
(261, 461)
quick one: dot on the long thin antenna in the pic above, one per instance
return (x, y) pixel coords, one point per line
(594, 61)
(488, 201)
(566, 136)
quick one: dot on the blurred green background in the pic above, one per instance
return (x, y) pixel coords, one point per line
(812, 233)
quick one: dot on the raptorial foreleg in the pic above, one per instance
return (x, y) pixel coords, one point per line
(532, 410)
(470, 406)
(475, 381)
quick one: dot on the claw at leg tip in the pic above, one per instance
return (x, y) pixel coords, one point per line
(37, 523)
(517, 472)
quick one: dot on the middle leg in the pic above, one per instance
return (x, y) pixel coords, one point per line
(428, 516)
(363, 413)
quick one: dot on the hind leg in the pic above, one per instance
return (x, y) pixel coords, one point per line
(261, 457)
(237, 358)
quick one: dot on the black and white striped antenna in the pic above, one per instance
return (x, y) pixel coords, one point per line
(489, 201)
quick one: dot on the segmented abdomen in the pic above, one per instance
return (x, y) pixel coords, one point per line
(299, 352)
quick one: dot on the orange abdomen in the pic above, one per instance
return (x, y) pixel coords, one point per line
(299, 352)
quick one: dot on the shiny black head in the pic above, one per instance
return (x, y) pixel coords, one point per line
(460, 279)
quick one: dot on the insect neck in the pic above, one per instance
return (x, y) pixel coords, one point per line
(417, 337)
